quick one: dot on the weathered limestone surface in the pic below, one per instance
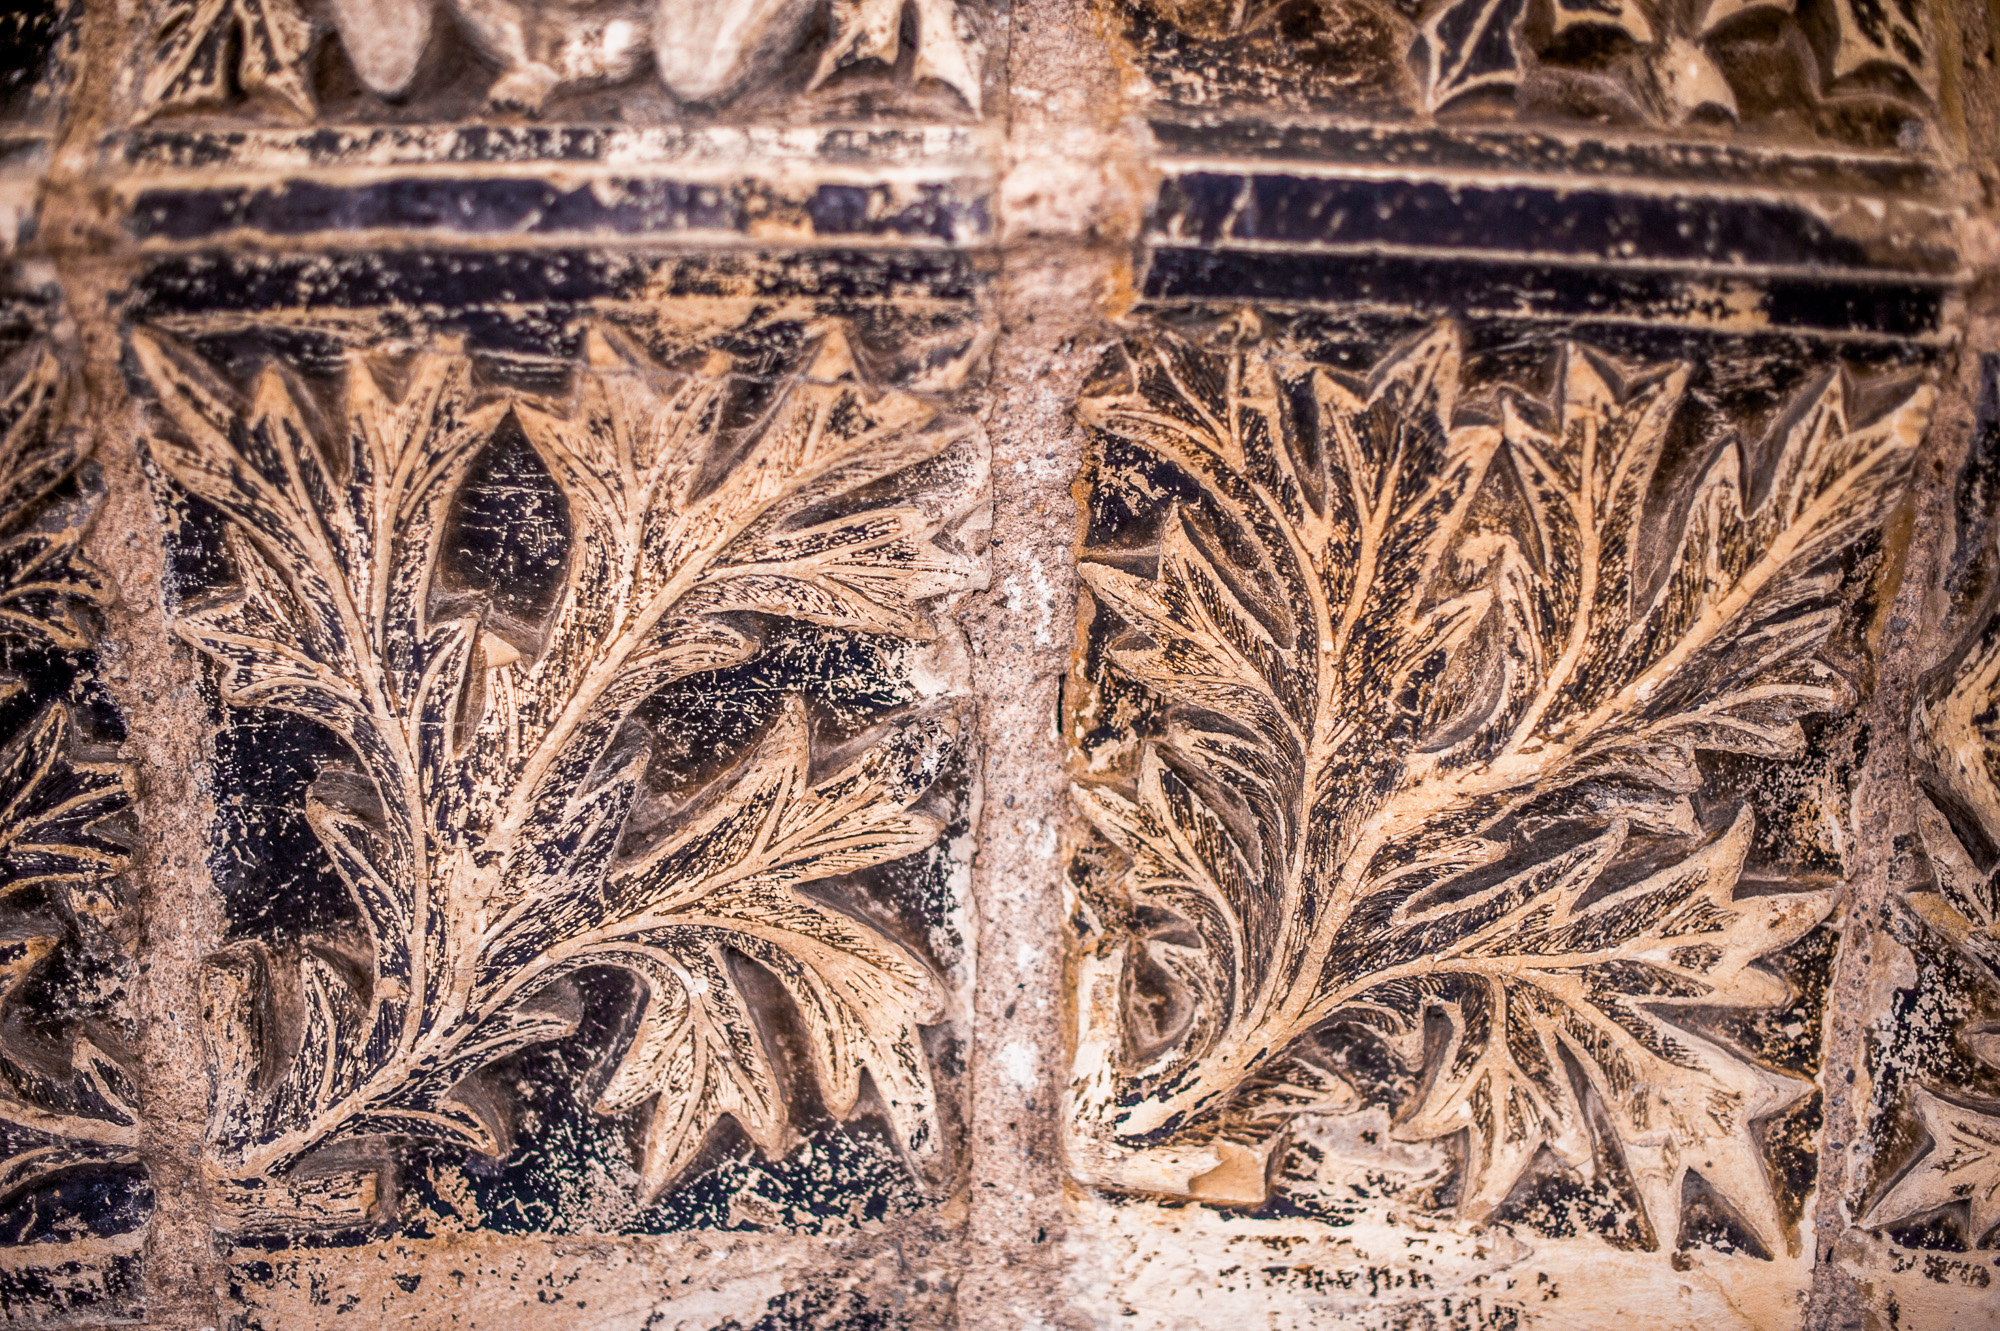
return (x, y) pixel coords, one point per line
(930, 663)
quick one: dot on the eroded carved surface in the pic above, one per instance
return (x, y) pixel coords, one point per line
(1933, 1177)
(73, 1192)
(1455, 744)
(366, 57)
(643, 746)
(1855, 72)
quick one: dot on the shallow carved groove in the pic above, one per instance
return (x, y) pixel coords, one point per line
(1405, 740)
(497, 819)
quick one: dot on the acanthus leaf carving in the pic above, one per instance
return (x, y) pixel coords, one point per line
(1428, 672)
(703, 51)
(489, 856)
(57, 858)
(1962, 1164)
(1601, 984)
(194, 42)
(1467, 45)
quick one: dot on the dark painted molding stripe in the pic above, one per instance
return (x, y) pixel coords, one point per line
(449, 288)
(926, 212)
(1436, 286)
(1306, 211)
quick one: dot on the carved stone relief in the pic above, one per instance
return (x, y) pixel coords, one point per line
(1859, 73)
(1434, 691)
(1489, 534)
(597, 761)
(369, 58)
(1457, 747)
(559, 419)
(885, 665)
(1928, 1177)
(74, 1194)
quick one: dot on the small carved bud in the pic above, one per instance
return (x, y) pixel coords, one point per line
(384, 40)
(707, 49)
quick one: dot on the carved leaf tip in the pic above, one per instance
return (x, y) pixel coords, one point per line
(1961, 1165)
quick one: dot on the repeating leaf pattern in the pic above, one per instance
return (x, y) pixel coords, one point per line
(1463, 46)
(1431, 673)
(57, 859)
(205, 53)
(487, 843)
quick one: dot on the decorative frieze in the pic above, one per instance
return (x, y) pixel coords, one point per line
(277, 58)
(1859, 74)
(1510, 841)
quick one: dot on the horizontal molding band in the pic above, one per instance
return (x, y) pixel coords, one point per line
(1277, 209)
(962, 147)
(1520, 150)
(936, 211)
(1502, 288)
(443, 280)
